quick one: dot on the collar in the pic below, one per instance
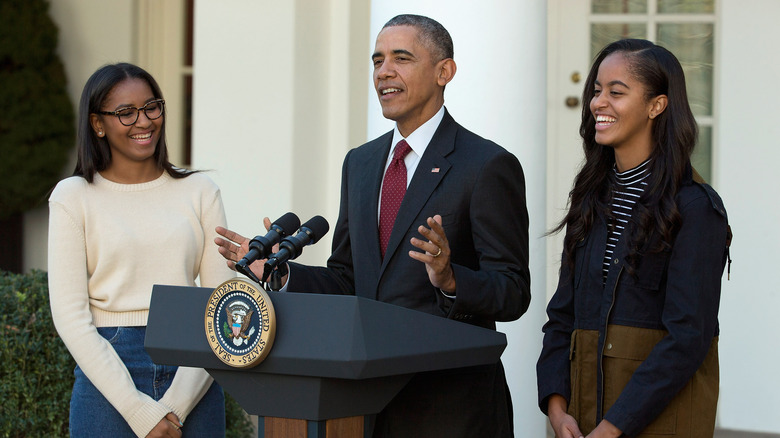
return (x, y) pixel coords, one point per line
(421, 137)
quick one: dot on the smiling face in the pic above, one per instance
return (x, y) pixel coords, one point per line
(408, 81)
(134, 144)
(622, 111)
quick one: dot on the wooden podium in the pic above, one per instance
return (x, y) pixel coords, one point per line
(337, 360)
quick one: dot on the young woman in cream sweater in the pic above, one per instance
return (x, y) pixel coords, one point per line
(126, 220)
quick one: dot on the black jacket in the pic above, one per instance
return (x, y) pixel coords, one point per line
(479, 190)
(675, 292)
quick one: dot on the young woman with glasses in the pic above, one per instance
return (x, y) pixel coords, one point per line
(126, 220)
(631, 345)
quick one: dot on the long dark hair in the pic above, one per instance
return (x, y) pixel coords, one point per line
(94, 153)
(674, 134)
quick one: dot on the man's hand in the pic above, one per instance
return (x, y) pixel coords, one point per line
(235, 246)
(435, 255)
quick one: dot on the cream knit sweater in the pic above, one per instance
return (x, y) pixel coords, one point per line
(108, 244)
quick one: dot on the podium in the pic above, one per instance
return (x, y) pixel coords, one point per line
(336, 361)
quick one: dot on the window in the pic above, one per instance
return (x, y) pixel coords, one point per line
(686, 28)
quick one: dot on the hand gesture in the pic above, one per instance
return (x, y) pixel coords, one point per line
(435, 255)
(234, 247)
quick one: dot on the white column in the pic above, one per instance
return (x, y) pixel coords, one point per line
(243, 107)
(745, 168)
(274, 113)
(499, 93)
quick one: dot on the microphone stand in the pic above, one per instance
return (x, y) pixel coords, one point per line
(248, 272)
(275, 281)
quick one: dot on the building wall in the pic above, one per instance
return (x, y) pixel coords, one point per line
(747, 152)
(282, 91)
(275, 91)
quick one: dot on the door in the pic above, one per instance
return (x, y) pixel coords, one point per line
(577, 30)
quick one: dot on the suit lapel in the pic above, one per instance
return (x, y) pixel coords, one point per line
(430, 171)
(369, 178)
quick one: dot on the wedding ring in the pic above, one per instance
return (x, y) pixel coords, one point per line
(437, 254)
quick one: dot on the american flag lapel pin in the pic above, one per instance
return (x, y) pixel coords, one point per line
(435, 170)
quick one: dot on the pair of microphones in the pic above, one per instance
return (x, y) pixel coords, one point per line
(291, 236)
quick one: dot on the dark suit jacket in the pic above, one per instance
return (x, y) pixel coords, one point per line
(479, 190)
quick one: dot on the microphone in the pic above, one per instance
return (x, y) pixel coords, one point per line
(292, 246)
(261, 246)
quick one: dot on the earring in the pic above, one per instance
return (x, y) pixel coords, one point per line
(100, 133)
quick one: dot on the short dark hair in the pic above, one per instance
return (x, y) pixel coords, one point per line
(94, 153)
(431, 33)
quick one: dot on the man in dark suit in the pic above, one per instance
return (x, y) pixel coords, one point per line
(448, 235)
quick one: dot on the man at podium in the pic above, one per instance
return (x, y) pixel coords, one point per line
(432, 218)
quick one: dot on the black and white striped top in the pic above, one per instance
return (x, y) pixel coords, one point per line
(627, 187)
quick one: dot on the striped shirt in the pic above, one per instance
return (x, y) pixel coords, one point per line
(627, 187)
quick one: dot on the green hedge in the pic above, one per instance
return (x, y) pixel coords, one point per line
(36, 370)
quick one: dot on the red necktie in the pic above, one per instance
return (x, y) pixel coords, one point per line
(393, 191)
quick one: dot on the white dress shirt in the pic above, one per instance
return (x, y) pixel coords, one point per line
(418, 141)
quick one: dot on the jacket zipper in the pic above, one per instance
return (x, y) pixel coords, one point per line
(601, 356)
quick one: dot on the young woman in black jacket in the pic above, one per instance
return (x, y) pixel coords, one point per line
(630, 347)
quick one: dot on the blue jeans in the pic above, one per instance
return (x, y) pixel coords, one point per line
(91, 415)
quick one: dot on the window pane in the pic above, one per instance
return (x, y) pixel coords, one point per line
(686, 6)
(692, 44)
(619, 6)
(701, 160)
(602, 34)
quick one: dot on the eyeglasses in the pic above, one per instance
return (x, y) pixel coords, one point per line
(128, 116)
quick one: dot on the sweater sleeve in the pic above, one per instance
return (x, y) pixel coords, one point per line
(191, 384)
(69, 299)
(188, 387)
(213, 270)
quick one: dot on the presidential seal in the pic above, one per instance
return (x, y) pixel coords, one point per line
(240, 323)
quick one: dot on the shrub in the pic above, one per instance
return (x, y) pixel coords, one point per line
(36, 370)
(37, 123)
(237, 420)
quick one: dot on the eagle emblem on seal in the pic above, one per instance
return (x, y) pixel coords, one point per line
(239, 314)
